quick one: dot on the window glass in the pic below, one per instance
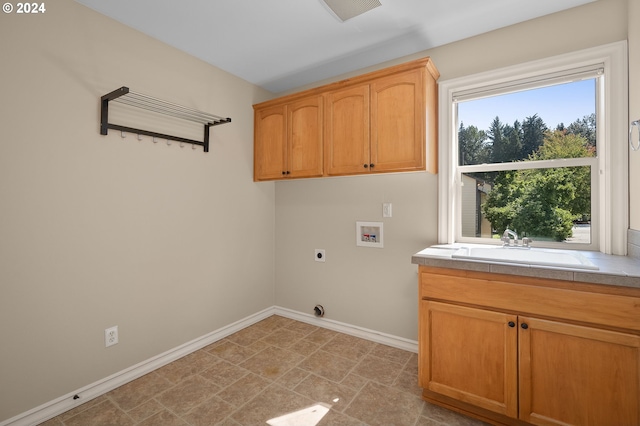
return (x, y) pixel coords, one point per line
(513, 126)
(545, 204)
(533, 129)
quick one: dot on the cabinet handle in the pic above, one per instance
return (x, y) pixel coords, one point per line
(284, 173)
(512, 324)
(366, 166)
(372, 165)
(524, 326)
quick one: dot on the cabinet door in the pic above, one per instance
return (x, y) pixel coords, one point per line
(572, 375)
(270, 149)
(346, 134)
(470, 355)
(304, 137)
(398, 122)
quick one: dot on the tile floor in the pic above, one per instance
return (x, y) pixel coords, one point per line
(276, 367)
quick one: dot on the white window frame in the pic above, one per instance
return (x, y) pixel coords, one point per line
(610, 185)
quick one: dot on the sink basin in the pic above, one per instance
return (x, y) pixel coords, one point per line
(525, 256)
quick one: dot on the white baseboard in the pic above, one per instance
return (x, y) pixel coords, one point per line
(67, 402)
(365, 333)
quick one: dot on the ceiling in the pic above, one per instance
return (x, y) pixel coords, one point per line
(284, 44)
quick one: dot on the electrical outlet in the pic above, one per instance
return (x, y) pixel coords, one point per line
(110, 336)
(320, 255)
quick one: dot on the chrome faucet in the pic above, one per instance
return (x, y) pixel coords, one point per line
(506, 238)
(508, 235)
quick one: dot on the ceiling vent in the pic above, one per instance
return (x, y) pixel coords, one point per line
(347, 9)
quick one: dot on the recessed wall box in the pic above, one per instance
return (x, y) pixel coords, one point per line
(369, 234)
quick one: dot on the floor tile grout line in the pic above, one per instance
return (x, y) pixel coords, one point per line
(275, 382)
(241, 407)
(153, 414)
(156, 395)
(167, 409)
(272, 382)
(342, 412)
(357, 391)
(211, 359)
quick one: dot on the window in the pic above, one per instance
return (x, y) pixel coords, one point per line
(537, 148)
(535, 196)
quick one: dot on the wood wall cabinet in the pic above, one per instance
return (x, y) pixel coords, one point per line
(514, 350)
(347, 131)
(399, 121)
(384, 121)
(378, 127)
(288, 140)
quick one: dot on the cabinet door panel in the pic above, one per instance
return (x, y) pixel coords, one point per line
(578, 375)
(347, 131)
(304, 120)
(270, 151)
(470, 355)
(398, 122)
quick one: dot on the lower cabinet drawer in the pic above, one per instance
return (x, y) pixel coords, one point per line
(606, 310)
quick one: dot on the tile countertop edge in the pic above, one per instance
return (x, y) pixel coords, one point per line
(619, 271)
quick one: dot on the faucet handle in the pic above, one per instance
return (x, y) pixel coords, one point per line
(526, 242)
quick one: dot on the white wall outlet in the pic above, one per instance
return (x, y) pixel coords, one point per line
(386, 209)
(320, 255)
(110, 336)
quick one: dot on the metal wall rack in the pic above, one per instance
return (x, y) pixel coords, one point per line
(125, 96)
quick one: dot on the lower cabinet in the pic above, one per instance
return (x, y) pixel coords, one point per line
(507, 367)
(470, 355)
(577, 375)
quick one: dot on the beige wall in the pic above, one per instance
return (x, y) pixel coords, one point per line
(634, 111)
(377, 288)
(168, 243)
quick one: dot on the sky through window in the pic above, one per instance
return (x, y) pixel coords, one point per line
(562, 103)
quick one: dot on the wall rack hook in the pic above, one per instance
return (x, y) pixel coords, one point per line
(145, 102)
